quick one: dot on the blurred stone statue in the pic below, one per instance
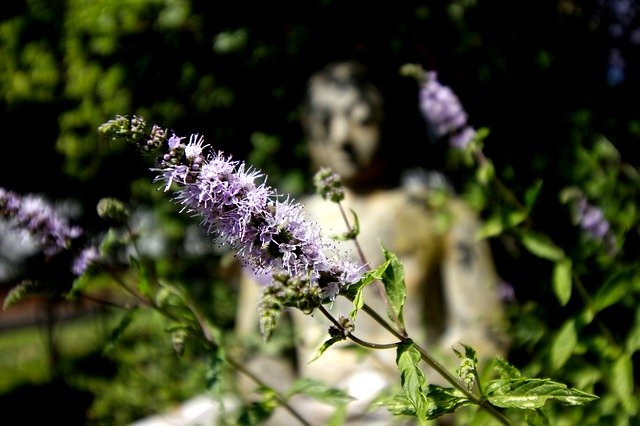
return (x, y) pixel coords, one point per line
(452, 284)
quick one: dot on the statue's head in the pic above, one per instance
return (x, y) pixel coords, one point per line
(343, 118)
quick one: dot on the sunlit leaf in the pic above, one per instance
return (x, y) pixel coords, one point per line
(355, 291)
(615, 289)
(23, 290)
(562, 280)
(412, 378)
(393, 280)
(534, 393)
(531, 194)
(490, 228)
(326, 345)
(541, 246)
(319, 391)
(622, 383)
(563, 345)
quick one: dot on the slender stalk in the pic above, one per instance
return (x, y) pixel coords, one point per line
(439, 368)
(401, 334)
(355, 339)
(378, 284)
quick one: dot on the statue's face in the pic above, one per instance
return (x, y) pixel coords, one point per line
(343, 125)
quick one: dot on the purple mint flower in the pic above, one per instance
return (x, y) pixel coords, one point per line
(85, 259)
(592, 220)
(40, 219)
(268, 232)
(444, 112)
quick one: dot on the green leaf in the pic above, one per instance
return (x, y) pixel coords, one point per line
(393, 280)
(533, 393)
(326, 345)
(506, 370)
(497, 223)
(23, 290)
(515, 218)
(412, 378)
(562, 280)
(355, 291)
(615, 289)
(399, 405)
(320, 391)
(633, 337)
(353, 233)
(485, 172)
(563, 345)
(144, 285)
(531, 194)
(259, 411)
(440, 401)
(536, 418)
(443, 401)
(490, 228)
(541, 246)
(119, 330)
(621, 383)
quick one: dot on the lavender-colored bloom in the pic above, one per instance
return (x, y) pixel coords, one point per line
(85, 259)
(40, 219)
(268, 232)
(329, 185)
(592, 220)
(444, 112)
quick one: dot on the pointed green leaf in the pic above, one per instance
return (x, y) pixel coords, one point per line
(353, 233)
(622, 384)
(339, 416)
(319, 391)
(439, 401)
(515, 218)
(399, 405)
(633, 337)
(119, 330)
(490, 228)
(506, 370)
(533, 393)
(260, 410)
(615, 289)
(393, 280)
(144, 285)
(531, 194)
(536, 418)
(412, 379)
(23, 290)
(485, 172)
(326, 345)
(563, 345)
(541, 246)
(443, 401)
(498, 222)
(562, 280)
(355, 291)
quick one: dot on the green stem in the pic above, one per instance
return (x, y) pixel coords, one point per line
(378, 284)
(441, 370)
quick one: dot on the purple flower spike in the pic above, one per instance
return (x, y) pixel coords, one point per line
(443, 110)
(40, 219)
(268, 232)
